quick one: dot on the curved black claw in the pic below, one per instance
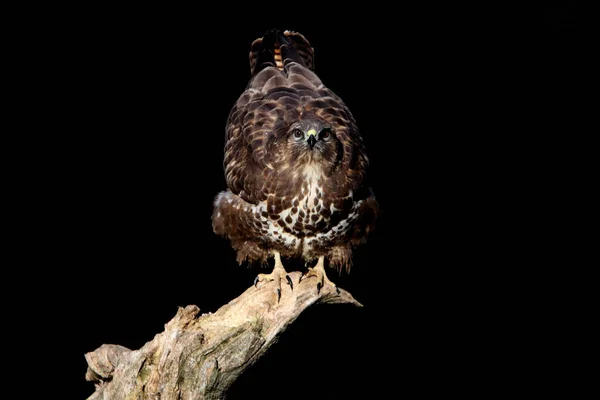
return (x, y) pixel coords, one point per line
(255, 280)
(301, 276)
(319, 286)
(278, 295)
(337, 289)
(289, 281)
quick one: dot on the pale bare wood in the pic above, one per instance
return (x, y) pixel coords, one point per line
(200, 356)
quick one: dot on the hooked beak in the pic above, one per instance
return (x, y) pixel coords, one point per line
(312, 138)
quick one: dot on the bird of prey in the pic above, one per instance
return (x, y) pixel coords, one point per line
(295, 166)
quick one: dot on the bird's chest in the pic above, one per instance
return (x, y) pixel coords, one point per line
(311, 199)
(311, 206)
(307, 213)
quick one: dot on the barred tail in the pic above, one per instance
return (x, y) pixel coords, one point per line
(277, 49)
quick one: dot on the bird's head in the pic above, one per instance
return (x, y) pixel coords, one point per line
(313, 140)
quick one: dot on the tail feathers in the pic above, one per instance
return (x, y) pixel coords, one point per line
(277, 49)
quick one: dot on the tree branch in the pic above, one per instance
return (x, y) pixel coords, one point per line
(199, 357)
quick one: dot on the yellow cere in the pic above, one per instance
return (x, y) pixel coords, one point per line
(312, 132)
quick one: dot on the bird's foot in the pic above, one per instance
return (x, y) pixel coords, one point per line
(279, 273)
(318, 271)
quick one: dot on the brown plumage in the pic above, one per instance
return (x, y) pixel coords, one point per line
(295, 165)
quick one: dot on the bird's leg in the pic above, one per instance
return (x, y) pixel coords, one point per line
(319, 271)
(277, 275)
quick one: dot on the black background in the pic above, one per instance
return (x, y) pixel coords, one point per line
(446, 100)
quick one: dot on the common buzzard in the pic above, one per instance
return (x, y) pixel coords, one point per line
(295, 167)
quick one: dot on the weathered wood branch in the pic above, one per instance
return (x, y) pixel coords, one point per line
(200, 356)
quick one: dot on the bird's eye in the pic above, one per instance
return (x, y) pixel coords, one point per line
(298, 134)
(325, 133)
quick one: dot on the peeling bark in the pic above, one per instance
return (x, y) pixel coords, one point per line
(200, 356)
